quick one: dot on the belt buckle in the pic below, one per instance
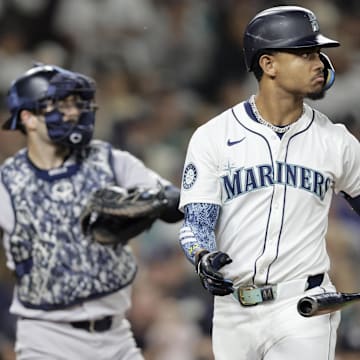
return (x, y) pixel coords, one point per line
(92, 326)
(252, 295)
(245, 295)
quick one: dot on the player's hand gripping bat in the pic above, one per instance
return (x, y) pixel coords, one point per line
(325, 303)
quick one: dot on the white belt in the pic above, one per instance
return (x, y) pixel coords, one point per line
(251, 295)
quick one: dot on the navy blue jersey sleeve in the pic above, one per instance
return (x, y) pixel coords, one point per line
(198, 230)
(354, 202)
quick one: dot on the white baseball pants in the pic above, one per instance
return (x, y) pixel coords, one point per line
(274, 330)
(44, 340)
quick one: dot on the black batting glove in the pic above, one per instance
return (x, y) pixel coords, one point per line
(208, 265)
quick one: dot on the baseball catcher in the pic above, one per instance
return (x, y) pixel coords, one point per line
(114, 215)
(68, 284)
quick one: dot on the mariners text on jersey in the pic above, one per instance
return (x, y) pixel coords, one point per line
(243, 180)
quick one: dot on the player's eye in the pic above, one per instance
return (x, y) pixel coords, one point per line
(310, 54)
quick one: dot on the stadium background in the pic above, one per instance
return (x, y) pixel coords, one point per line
(163, 67)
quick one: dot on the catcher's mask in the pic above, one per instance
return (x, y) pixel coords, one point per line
(286, 27)
(46, 84)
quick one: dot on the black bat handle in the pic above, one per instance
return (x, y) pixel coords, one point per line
(325, 303)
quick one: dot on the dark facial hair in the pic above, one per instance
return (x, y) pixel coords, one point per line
(316, 95)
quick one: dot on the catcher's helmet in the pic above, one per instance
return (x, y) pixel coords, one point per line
(27, 93)
(49, 82)
(282, 27)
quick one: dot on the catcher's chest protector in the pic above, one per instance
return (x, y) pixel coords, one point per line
(56, 265)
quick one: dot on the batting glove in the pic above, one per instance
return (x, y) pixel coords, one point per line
(208, 265)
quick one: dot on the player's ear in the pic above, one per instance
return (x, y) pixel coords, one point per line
(267, 63)
(28, 119)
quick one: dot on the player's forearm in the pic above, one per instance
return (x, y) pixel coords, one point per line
(198, 230)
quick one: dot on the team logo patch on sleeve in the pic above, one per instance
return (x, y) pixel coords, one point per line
(190, 176)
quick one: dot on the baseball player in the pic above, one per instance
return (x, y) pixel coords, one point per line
(71, 293)
(256, 190)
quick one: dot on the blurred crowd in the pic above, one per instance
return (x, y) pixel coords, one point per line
(163, 67)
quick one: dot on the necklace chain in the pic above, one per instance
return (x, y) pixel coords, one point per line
(275, 128)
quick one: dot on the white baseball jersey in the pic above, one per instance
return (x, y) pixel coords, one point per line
(274, 193)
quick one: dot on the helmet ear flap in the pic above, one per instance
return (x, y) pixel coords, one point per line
(329, 71)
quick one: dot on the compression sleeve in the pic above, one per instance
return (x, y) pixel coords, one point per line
(198, 229)
(354, 202)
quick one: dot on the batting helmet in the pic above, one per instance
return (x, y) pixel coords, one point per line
(49, 82)
(282, 27)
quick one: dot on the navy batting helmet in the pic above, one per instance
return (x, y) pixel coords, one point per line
(282, 27)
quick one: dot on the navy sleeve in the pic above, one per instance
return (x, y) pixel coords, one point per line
(354, 202)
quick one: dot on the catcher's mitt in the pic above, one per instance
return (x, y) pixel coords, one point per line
(114, 215)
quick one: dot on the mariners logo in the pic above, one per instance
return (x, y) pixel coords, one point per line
(190, 176)
(314, 23)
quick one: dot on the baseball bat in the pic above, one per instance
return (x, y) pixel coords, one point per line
(325, 303)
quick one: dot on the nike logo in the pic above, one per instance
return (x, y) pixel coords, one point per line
(231, 143)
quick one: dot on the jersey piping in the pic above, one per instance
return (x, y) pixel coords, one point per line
(252, 116)
(248, 109)
(285, 191)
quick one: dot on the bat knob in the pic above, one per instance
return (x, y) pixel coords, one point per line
(307, 306)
